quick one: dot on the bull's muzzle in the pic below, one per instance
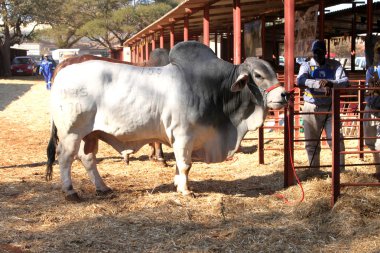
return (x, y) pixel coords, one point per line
(288, 96)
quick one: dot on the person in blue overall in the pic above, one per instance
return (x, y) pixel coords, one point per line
(46, 68)
(372, 128)
(318, 76)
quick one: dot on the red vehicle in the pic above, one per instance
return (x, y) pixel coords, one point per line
(23, 65)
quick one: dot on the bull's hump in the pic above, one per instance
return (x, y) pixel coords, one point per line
(191, 52)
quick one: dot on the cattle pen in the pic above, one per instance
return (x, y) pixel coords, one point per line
(237, 206)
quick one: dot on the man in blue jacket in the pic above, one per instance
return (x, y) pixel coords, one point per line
(372, 128)
(46, 69)
(318, 76)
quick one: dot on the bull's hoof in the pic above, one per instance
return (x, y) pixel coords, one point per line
(104, 193)
(162, 162)
(74, 197)
(377, 176)
(159, 160)
(189, 194)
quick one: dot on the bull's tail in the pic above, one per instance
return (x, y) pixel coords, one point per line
(51, 150)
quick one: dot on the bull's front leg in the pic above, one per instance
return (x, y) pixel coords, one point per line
(182, 151)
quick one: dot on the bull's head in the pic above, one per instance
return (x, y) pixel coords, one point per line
(260, 78)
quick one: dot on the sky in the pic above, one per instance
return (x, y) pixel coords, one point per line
(345, 6)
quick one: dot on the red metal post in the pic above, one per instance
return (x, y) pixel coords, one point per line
(146, 49)
(321, 19)
(229, 45)
(206, 25)
(186, 28)
(172, 35)
(261, 145)
(335, 178)
(289, 7)
(162, 38)
(153, 42)
(137, 59)
(361, 116)
(369, 17)
(369, 23)
(132, 54)
(353, 37)
(136, 52)
(141, 52)
(216, 43)
(274, 44)
(263, 36)
(328, 48)
(237, 32)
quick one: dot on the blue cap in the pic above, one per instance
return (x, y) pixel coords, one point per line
(318, 45)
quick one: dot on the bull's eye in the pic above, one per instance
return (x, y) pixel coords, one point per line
(258, 76)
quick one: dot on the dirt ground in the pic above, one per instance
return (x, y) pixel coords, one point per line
(237, 206)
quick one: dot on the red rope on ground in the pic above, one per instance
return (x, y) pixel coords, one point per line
(282, 196)
(231, 159)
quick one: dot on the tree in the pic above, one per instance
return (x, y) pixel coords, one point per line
(65, 21)
(14, 16)
(116, 21)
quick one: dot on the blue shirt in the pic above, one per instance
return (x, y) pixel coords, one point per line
(46, 68)
(311, 73)
(368, 75)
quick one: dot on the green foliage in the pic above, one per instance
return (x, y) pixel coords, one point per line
(65, 18)
(15, 15)
(116, 21)
(107, 22)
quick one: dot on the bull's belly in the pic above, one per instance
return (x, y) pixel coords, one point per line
(132, 133)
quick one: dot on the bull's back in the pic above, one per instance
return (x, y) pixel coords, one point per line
(119, 99)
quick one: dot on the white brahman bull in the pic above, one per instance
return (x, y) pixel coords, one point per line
(198, 104)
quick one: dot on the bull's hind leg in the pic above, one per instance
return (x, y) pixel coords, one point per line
(182, 152)
(67, 149)
(156, 153)
(87, 155)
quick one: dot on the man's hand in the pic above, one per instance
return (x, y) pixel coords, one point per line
(373, 83)
(327, 85)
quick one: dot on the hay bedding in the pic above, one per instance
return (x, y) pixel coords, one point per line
(235, 209)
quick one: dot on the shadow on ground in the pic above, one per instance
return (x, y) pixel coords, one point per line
(13, 92)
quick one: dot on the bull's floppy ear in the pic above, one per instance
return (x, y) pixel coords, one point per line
(240, 82)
